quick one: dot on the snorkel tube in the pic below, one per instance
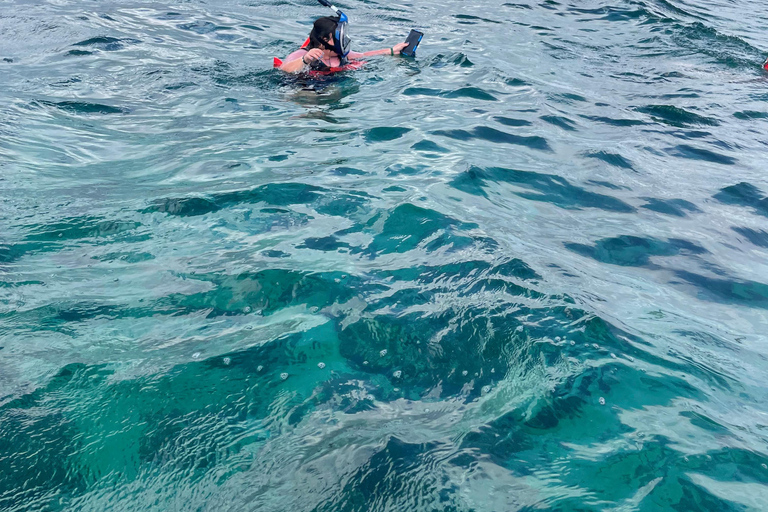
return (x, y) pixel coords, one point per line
(341, 42)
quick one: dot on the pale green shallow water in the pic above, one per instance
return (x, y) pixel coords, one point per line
(527, 270)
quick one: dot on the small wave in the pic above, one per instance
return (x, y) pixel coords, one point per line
(107, 44)
(613, 121)
(464, 92)
(676, 116)
(756, 236)
(750, 114)
(561, 122)
(466, 19)
(496, 136)
(610, 158)
(428, 145)
(675, 207)
(508, 121)
(385, 133)
(744, 194)
(548, 188)
(634, 251)
(81, 107)
(694, 153)
(751, 294)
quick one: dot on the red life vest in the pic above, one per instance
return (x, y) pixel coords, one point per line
(357, 64)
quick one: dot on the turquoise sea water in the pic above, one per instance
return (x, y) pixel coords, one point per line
(527, 270)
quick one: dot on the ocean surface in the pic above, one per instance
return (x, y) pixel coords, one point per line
(526, 270)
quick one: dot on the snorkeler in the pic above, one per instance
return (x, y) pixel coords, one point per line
(327, 49)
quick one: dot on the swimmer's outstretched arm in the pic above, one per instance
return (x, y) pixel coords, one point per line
(395, 50)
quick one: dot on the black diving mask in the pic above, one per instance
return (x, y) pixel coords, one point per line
(341, 41)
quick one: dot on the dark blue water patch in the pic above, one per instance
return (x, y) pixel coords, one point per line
(464, 92)
(273, 253)
(454, 59)
(428, 145)
(549, 4)
(496, 136)
(126, 257)
(253, 27)
(222, 387)
(516, 82)
(171, 15)
(608, 184)
(475, 93)
(11, 252)
(694, 153)
(744, 194)
(613, 159)
(98, 41)
(202, 27)
(395, 188)
(476, 270)
(275, 194)
(614, 122)
(385, 133)
(49, 436)
(391, 468)
(508, 121)
(517, 6)
(406, 170)
(560, 122)
(755, 236)
(750, 114)
(107, 44)
(180, 85)
(266, 291)
(68, 82)
(547, 187)
(675, 207)
(569, 98)
(609, 13)
(185, 207)
(475, 344)
(408, 226)
(675, 116)
(634, 251)
(328, 243)
(347, 171)
(79, 53)
(752, 294)
(82, 107)
(678, 95)
(467, 19)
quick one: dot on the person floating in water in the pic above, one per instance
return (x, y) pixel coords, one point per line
(327, 49)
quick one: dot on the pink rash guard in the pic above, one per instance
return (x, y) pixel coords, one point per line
(332, 63)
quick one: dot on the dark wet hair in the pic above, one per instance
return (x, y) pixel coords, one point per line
(322, 28)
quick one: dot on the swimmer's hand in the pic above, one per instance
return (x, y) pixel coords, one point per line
(312, 55)
(399, 47)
